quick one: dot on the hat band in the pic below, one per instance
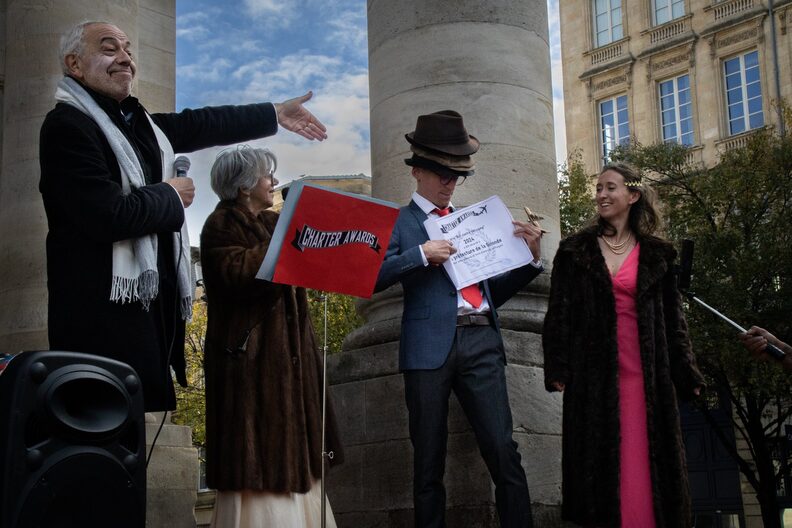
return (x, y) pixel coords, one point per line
(418, 161)
(457, 163)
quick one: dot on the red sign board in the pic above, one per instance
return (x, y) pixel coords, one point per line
(329, 240)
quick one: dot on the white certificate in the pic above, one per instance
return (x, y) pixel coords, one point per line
(483, 235)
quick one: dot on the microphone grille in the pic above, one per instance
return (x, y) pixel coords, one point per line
(182, 162)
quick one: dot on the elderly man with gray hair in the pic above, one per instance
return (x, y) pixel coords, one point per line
(118, 258)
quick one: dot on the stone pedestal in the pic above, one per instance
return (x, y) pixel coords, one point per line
(172, 475)
(490, 61)
(374, 485)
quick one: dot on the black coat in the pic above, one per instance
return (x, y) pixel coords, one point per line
(86, 211)
(580, 350)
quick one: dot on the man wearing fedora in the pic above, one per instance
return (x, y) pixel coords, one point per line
(450, 339)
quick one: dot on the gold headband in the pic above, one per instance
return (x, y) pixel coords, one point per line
(636, 183)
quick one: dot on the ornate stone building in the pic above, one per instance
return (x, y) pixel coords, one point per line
(700, 72)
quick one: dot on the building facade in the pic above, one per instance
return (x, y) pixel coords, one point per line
(704, 73)
(353, 183)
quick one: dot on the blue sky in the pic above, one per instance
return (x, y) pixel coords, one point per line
(244, 51)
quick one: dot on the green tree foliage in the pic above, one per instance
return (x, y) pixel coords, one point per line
(341, 318)
(575, 195)
(738, 215)
(190, 400)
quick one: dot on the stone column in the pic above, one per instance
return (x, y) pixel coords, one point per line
(31, 31)
(490, 61)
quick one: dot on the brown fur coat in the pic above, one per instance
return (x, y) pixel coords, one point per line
(263, 403)
(580, 350)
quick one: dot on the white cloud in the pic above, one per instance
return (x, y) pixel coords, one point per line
(192, 26)
(205, 70)
(193, 33)
(271, 14)
(251, 68)
(284, 78)
(268, 7)
(349, 32)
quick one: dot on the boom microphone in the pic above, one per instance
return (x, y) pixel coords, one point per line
(181, 165)
(683, 284)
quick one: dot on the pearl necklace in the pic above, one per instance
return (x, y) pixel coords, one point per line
(618, 248)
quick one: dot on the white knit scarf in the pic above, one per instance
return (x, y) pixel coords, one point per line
(135, 276)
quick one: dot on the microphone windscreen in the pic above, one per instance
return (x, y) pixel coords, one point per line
(182, 163)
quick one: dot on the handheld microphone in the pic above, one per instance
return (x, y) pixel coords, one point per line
(181, 165)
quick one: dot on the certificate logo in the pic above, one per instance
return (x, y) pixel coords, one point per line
(447, 227)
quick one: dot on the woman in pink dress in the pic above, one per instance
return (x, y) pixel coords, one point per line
(616, 344)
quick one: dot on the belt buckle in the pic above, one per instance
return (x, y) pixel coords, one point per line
(480, 319)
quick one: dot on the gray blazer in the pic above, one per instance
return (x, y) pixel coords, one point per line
(430, 298)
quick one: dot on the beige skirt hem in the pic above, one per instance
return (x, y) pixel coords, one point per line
(261, 509)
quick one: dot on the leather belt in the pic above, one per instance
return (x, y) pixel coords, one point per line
(473, 320)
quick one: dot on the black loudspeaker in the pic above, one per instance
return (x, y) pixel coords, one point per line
(72, 443)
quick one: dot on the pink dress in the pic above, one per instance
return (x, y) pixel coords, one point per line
(635, 481)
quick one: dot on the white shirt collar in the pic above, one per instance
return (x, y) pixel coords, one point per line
(425, 205)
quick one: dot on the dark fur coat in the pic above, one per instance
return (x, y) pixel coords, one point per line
(580, 350)
(263, 369)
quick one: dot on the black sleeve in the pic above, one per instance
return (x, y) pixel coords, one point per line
(191, 130)
(558, 324)
(81, 187)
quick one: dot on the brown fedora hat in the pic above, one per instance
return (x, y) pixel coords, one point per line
(444, 132)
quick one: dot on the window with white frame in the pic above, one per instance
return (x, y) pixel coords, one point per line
(743, 92)
(676, 110)
(607, 16)
(614, 124)
(667, 10)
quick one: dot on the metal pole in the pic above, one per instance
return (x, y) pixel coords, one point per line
(325, 454)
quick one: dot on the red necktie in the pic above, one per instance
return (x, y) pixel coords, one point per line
(472, 293)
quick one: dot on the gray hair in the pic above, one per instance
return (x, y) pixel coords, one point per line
(240, 168)
(71, 42)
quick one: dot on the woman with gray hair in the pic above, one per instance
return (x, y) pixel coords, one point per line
(262, 366)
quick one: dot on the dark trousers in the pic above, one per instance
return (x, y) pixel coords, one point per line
(475, 372)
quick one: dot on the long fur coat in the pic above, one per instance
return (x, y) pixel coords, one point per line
(581, 351)
(263, 369)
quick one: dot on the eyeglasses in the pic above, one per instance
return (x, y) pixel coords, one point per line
(445, 180)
